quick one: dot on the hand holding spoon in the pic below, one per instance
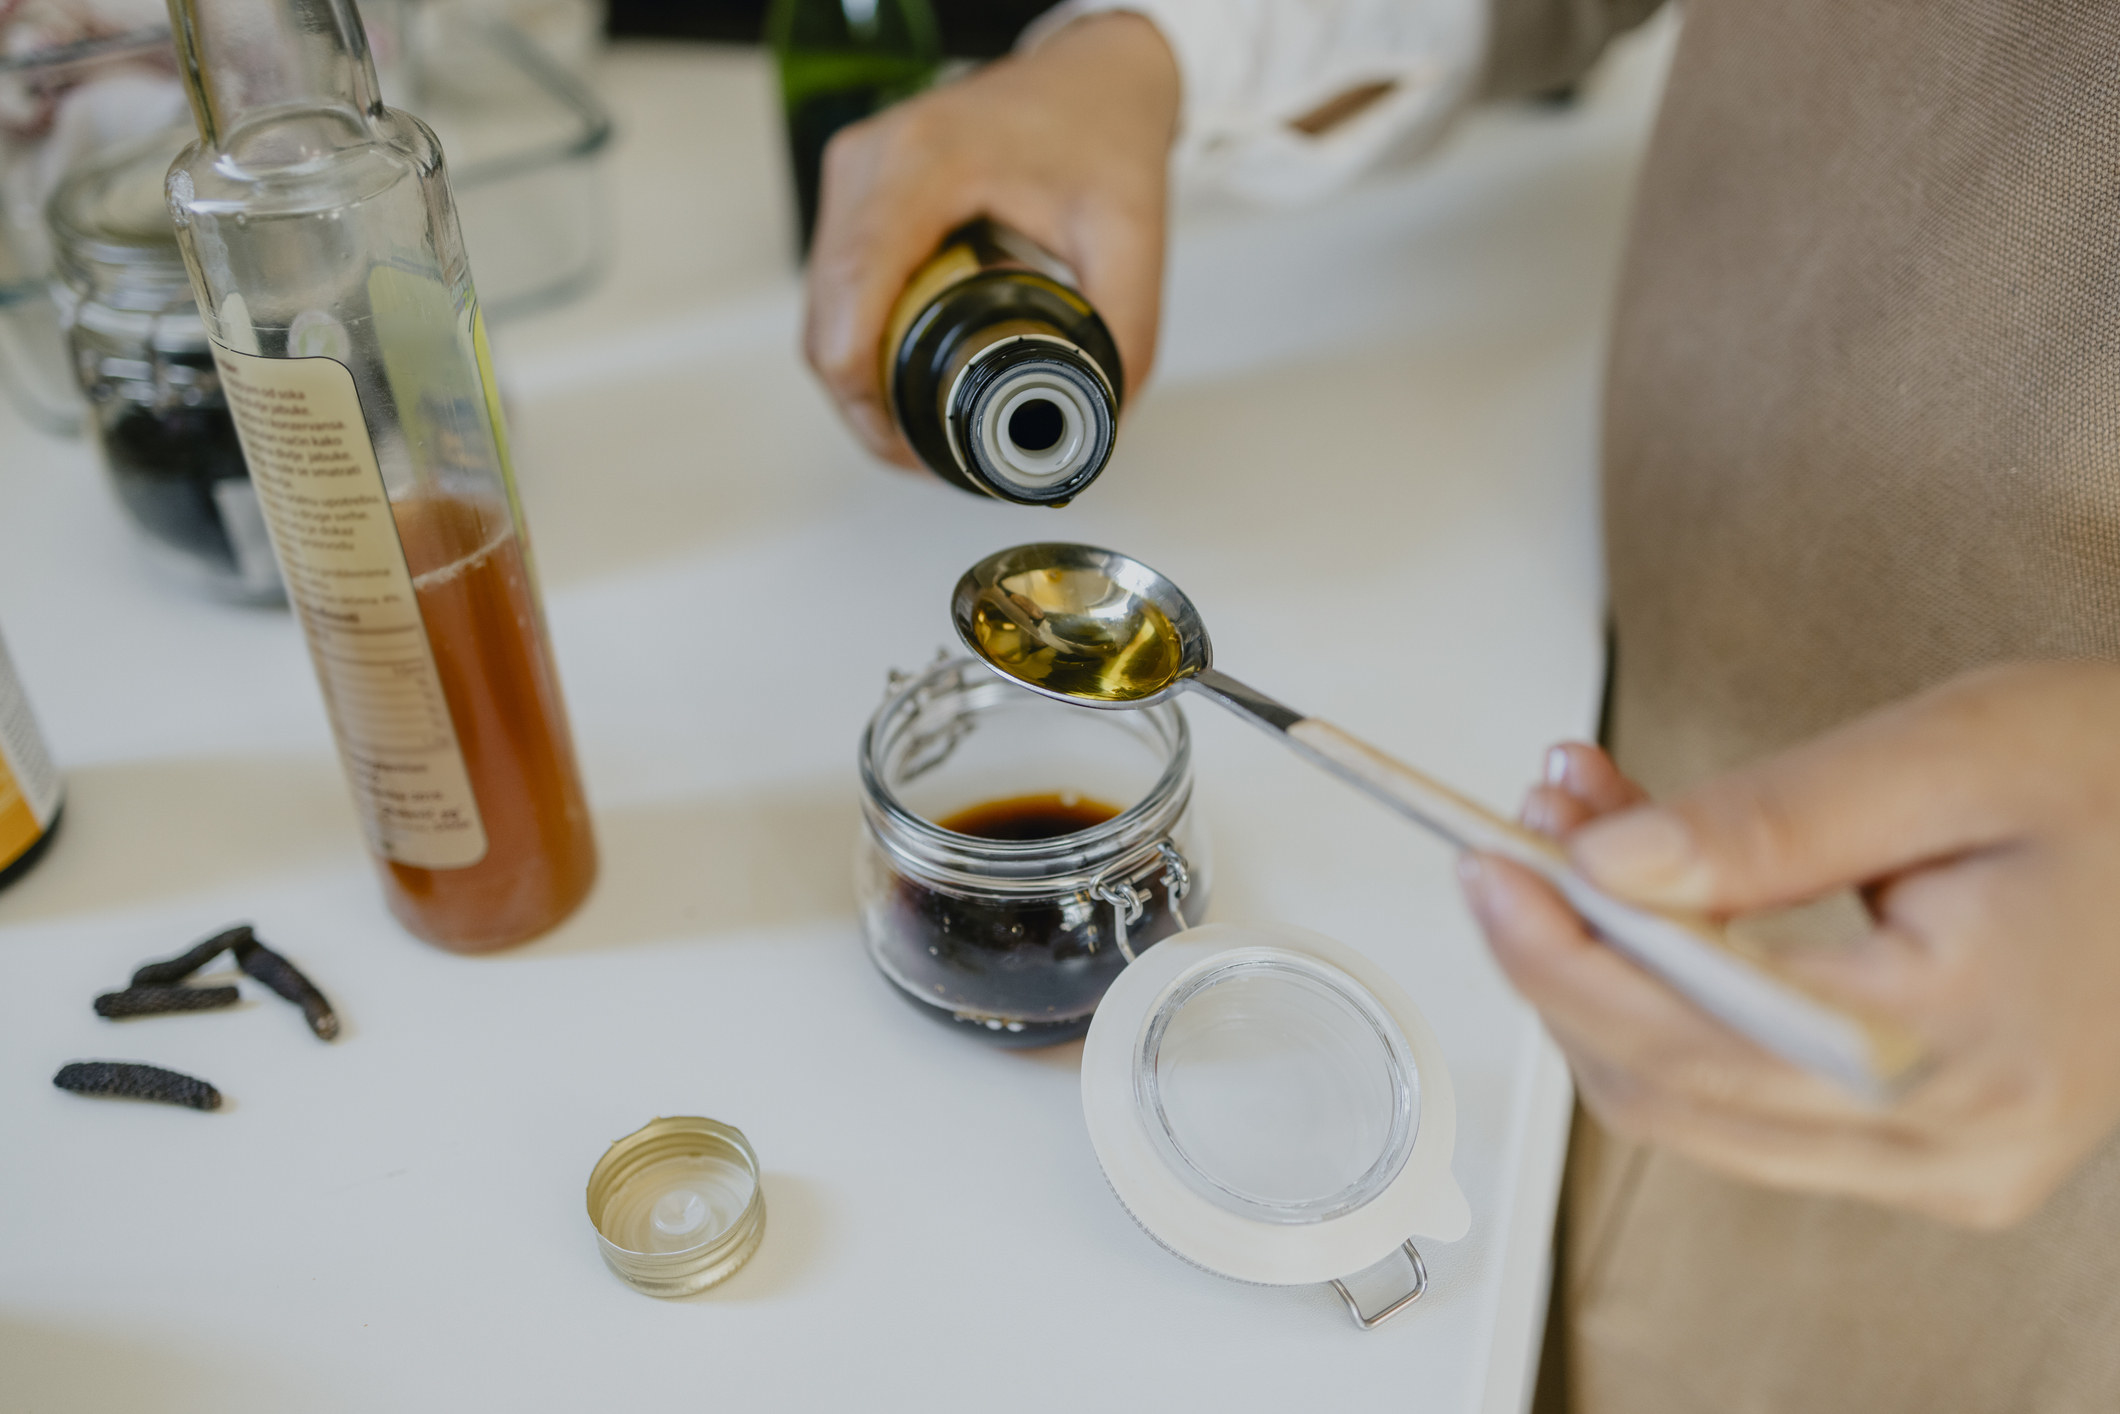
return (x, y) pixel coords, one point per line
(1101, 629)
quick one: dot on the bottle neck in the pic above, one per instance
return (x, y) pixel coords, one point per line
(241, 58)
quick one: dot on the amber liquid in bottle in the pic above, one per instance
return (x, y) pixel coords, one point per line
(484, 626)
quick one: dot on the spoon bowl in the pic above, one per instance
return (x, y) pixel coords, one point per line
(1081, 624)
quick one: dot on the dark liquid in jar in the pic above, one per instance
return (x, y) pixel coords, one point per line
(167, 455)
(1029, 817)
(1017, 972)
(165, 462)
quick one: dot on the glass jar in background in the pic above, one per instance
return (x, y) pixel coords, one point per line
(76, 78)
(1018, 852)
(449, 40)
(141, 355)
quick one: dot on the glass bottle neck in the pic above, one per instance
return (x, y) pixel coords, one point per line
(243, 58)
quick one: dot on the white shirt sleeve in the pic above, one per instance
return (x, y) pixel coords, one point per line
(1251, 69)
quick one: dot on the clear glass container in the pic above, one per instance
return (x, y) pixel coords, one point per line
(146, 367)
(1277, 1087)
(503, 82)
(72, 84)
(1017, 939)
(526, 135)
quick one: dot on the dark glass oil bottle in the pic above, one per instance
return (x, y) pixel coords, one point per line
(1002, 377)
(841, 60)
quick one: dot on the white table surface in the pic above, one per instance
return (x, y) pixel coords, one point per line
(1369, 457)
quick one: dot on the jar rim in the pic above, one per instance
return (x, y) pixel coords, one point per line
(87, 245)
(1072, 860)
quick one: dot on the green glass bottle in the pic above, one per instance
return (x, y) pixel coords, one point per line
(841, 60)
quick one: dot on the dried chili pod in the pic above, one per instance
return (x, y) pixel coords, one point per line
(159, 1001)
(285, 978)
(176, 969)
(129, 1080)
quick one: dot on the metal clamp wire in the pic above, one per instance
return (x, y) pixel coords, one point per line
(1129, 903)
(1420, 1284)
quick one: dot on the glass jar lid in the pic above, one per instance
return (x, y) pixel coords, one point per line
(1276, 1087)
(1269, 1105)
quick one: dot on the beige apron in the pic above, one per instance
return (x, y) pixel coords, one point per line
(1862, 433)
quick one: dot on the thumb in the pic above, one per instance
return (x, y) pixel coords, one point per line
(1934, 777)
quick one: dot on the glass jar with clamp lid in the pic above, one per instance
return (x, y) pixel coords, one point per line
(1018, 853)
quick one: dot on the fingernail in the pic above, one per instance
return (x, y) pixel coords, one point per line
(1556, 765)
(1643, 854)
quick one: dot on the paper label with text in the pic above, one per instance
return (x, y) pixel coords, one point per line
(29, 783)
(322, 494)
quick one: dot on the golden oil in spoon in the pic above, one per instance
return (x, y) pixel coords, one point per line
(1074, 631)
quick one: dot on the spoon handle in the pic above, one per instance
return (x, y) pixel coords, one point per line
(1692, 953)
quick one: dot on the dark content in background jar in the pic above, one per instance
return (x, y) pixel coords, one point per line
(168, 458)
(1019, 972)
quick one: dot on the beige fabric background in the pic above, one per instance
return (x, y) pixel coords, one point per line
(1862, 433)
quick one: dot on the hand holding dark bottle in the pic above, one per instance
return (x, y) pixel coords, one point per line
(1069, 144)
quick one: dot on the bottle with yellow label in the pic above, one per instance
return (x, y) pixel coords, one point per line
(1001, 375)
(31, 795)
(324, 250)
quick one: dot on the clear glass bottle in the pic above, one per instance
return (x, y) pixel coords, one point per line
(1020, 852)
(330, 273)
(841, 60)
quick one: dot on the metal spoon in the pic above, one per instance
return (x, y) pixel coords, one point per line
(1102, 629)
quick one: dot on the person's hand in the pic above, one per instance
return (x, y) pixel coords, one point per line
(1982, 823)
(1069, 144)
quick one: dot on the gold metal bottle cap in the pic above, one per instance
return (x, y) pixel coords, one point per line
(677, 1205)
